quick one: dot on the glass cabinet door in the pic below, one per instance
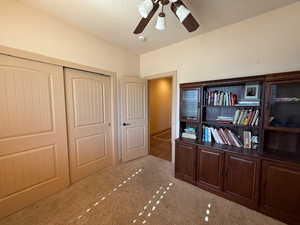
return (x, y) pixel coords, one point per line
(190, 104)
(284, 105)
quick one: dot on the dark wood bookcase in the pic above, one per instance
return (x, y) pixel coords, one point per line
(258, 177)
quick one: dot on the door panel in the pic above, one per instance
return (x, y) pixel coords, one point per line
(185, 162)
(134, 124)
(88, 105)
(241, 178)
(210, 167)
(33, 146)
(280, 195)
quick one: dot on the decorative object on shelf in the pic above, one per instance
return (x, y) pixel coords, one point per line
(254, 141)
(148, 8)
(252, 92)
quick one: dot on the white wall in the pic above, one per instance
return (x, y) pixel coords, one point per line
(30, 29)
(264, 44)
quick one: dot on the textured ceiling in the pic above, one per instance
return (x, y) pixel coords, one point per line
(115, 20)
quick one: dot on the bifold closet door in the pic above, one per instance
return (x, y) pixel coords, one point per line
(33, 138)
(88, 106)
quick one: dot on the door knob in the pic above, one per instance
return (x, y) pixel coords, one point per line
(126, 124)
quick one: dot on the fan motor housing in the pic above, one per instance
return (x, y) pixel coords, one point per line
(164, 2)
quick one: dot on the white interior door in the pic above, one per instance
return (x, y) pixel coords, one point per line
(89, 119)
(134, 122)
(33, 134)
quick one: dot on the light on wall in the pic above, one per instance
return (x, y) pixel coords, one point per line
(145, 8)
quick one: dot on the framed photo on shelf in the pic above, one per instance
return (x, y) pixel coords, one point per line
(252, 92)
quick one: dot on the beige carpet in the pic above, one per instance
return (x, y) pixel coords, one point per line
(139, 192)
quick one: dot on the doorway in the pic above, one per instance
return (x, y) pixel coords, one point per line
(160, 117)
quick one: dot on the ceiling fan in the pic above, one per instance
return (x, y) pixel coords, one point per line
(148, 8)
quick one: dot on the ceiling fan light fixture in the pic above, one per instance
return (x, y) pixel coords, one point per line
(182, 13)
(161, 22)
(145, 8)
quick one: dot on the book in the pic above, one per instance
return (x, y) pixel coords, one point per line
(235, 139)
(209, 134)
(255, 118)
(188, 135)
(229, 137)
(236, 116)
(247, 139)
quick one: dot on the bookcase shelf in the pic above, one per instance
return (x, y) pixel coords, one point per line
(283, 129)
(228, 125)
(230, 148)
(230, 106)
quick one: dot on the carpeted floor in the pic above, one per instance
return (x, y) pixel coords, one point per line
(161, 146)
(143, 191)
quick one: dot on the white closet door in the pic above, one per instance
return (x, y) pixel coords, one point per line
(33, 139)
(89, 118)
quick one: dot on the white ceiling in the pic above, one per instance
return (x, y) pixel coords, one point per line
(115, 20)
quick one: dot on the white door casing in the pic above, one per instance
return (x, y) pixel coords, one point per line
(134, 122)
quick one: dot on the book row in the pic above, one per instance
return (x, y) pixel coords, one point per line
(220, 98)
(246, 117)
(227, 137)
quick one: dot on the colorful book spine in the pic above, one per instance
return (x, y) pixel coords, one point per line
(220, 98)
(246, 117)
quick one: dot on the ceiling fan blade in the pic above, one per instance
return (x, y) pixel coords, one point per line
(144, 21)
(190, 23)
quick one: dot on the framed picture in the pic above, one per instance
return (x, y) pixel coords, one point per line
(252, 91)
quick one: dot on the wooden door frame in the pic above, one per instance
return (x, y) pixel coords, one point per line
(174, 107)
(67, 64)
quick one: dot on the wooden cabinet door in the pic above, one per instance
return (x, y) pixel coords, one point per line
(33, 134)
(241, 179)
(280, 191)
(209, 168)
(88, 105)
(185, 162)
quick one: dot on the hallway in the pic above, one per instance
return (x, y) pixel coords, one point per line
(161, 146)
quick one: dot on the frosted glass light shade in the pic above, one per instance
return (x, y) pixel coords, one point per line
(161, 22)
(182, 13)
(145, 8)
